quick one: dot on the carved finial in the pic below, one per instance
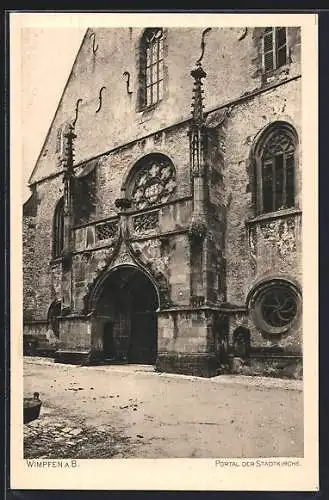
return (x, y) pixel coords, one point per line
(198, 74)
(197, 97)
(69, 148)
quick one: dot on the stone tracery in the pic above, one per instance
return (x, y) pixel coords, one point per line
(155, 182)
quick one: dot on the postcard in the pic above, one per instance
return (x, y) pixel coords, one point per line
(164, 292)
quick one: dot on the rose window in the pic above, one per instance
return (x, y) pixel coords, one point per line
(276, 306)
(155, 182)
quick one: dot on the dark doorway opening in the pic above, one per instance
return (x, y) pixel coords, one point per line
(143, 345)
(127, 308)
(108, 343)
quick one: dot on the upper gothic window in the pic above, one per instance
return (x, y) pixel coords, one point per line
(275, 162)
(275, 48)
(58, 229)
(151, 70)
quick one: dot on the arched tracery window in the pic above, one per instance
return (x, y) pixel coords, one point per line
(276, 165)
(58, 229)
(151, 70)
(153, 181)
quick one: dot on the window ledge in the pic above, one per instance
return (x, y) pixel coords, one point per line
(274, 74)
(146, 112)
(150, 107)
(286, 212)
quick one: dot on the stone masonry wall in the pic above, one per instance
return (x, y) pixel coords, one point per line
(264, 248)
(232, 60)
(246, 121)
(29, 304)
(111, 172)
(114, 168)
(48, 194)
(120, 134)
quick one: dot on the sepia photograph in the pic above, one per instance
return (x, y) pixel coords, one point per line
(162, 244)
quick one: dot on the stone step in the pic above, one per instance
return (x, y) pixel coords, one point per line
(73, 357)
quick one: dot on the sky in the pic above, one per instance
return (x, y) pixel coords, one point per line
(45, 51)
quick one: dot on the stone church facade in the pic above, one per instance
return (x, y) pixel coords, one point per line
(164, 222)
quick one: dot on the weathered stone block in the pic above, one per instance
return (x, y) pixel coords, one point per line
(199, 365)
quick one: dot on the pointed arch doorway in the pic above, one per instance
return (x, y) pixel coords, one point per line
(126, 308)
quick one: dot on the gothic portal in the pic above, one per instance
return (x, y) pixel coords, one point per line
(125, 313)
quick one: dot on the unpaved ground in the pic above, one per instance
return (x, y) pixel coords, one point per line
(131, 411)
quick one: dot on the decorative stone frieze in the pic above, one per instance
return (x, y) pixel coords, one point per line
(146, 222)
(107, 230)
(269, 230)
(287, 237)
(280, 232)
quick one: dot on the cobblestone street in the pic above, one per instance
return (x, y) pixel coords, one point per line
(52, 436)
(130, 411)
